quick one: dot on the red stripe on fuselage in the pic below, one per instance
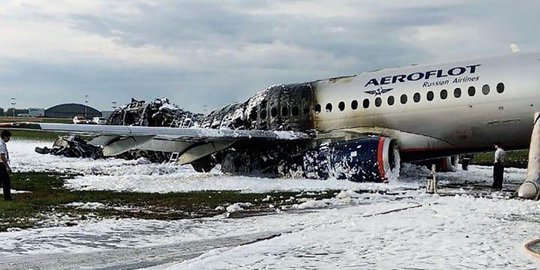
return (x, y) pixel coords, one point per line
(380, 159)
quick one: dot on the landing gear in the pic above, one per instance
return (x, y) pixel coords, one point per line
(465, 161)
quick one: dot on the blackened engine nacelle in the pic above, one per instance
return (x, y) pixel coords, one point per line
(371, 159)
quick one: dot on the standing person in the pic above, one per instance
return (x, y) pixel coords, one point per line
(498, 166)
(5, 169)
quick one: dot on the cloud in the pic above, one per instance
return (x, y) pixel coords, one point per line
(202, 52)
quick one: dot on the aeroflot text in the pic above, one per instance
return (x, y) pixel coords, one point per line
(416, 76)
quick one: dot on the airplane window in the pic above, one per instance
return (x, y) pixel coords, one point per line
(263, 114)
(416, 97)
(295, 111)
(378, 102)
(403, 99)
(444, 94)
(500, 88)
(365, 103)
(318, 108)
(472, 91)
(430, 96)
(485, 89)
(273, 112)
(341, 106)
(390, 100)
(457, 92)
(329, 107)
(253, 115)
(284, 111)
(354, 104)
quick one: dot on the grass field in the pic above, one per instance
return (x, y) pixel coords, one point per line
(8, 119)
(48, 198)
(515, 158)
(19, 134)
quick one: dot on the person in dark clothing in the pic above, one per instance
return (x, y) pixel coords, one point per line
(498, 166)
(5, 169)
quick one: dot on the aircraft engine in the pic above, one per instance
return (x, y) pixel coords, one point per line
(370, 159)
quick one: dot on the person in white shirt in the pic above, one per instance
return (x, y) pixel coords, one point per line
(498, 166)
(5, 169)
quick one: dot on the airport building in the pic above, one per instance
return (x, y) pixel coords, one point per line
(36, 112)
(70, 110)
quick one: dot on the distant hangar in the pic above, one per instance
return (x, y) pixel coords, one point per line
(70, 110)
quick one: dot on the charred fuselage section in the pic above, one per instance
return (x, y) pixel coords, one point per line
(159, 113)
(281, 107)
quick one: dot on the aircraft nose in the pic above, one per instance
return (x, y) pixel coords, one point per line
(528, 190)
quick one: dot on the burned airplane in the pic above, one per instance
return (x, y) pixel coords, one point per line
(355, 127)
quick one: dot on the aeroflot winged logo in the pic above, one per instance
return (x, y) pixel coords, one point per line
(460, 73)
(379, 91)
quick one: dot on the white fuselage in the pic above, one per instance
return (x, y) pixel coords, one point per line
(470, 122)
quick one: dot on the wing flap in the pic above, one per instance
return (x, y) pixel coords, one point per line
(202, 150)
(124, 144)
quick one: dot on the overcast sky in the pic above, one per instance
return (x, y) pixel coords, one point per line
(208, 53)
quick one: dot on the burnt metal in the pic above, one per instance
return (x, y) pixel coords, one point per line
(286, 107)
(72, 146)
(280, 107)
(77, 147)
(159, 113)
(137, 113)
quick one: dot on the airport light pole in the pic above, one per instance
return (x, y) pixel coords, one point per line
(85, 102)
(13, 104)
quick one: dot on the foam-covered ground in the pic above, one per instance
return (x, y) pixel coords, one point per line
(410, 229)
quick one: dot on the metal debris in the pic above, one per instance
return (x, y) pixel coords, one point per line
(159, 113)
(72, 146)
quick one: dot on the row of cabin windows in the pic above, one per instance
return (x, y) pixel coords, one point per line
(430, 95)
(295, 111)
